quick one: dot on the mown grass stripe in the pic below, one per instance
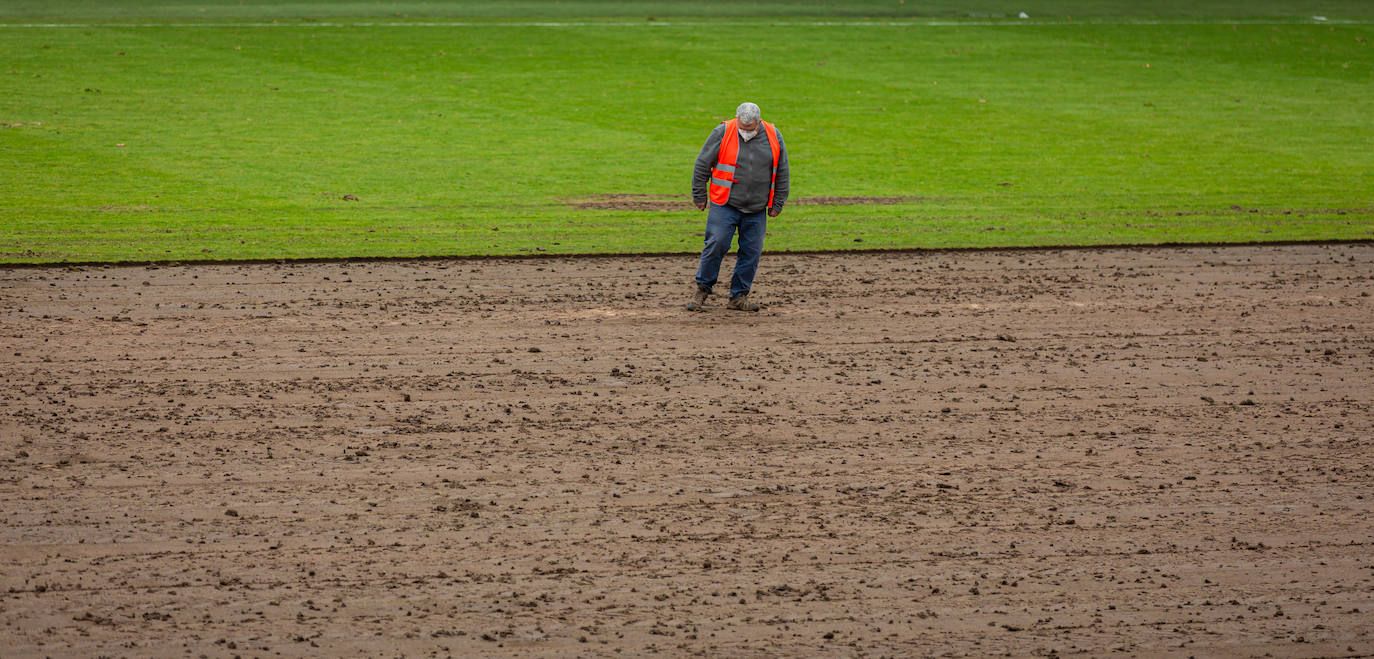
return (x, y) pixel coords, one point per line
(290, 24)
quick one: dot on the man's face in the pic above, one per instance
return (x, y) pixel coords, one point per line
(748, 127)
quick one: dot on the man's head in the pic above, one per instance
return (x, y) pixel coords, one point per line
(748, 115)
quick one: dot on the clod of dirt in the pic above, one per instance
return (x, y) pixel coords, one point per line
(230, 512)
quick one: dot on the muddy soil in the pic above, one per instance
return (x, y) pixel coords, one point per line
(1149, 451)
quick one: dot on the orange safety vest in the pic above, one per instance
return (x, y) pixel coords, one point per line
(723, 175)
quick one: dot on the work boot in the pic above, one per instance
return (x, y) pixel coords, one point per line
(741, 303)
(698, 301)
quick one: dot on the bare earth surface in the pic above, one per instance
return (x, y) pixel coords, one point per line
(1155, 451)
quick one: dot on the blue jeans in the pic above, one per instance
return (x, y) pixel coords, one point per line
(721, 224)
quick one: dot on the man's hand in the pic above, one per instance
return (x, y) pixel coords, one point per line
(774, 212)
(701, 205)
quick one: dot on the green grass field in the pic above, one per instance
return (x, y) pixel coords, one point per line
(224, 130)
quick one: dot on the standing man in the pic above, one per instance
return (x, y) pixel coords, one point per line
(742, 170)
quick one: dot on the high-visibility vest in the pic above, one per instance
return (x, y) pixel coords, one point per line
(723, 174)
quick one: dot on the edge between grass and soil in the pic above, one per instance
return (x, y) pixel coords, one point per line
(47, 265)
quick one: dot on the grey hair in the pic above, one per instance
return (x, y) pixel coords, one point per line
(748, 113)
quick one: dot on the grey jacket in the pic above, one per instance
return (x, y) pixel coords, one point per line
(750, 192)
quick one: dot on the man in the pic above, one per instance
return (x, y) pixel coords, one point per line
(742, 173)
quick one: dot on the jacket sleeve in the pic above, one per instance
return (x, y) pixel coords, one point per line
(781, 184)
(701, 173)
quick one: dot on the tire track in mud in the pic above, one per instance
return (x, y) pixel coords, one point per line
(1079, 451)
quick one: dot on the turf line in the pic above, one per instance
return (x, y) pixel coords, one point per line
(657, 23)
(20, 265)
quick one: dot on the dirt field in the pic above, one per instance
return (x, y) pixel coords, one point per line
(1150, 451)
